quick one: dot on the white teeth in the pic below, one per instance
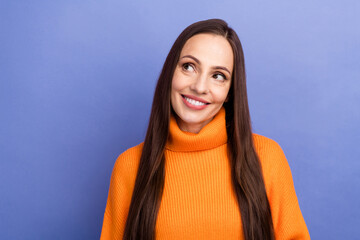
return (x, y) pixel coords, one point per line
(194, 102)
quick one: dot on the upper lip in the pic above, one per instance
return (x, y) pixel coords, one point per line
(195, 98)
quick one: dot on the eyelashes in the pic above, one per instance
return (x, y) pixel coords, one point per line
(189, 67)
(220, 76)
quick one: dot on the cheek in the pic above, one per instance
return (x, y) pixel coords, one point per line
(175, 87)
(177, 83)
(220, 95)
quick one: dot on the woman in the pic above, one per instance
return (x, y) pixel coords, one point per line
(201, 173)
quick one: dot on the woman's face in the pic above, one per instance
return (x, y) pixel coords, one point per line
(201, 80)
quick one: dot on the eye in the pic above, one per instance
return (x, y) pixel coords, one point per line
(219, 76)
(188, 67)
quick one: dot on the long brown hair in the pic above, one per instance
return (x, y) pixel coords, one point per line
(246, 171)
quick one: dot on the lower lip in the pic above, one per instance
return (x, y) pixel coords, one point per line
(195, 107)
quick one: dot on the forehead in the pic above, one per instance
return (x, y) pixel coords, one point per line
(210, 49)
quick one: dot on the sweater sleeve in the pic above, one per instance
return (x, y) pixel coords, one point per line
(285, 210)
(120, 192)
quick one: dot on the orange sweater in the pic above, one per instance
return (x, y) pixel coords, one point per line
(198, 201)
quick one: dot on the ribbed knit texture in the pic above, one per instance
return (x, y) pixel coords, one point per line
(198, 200)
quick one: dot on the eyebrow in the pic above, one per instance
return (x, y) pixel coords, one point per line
(198, 62)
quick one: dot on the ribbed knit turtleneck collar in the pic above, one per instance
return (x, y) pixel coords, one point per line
(210, 136)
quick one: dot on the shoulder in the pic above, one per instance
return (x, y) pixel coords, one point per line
(127, 162)
(120, 191)
(130, 154)
(286, 214)
(266, 148)
(264, 144)
(271, 156)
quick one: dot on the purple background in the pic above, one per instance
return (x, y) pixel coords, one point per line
(76, 86)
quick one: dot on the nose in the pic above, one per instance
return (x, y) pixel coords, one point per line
(200, 85)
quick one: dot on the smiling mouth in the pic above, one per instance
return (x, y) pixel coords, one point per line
(194, 102)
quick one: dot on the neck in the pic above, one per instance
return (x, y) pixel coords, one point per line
(212, 135)
(191, 128)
